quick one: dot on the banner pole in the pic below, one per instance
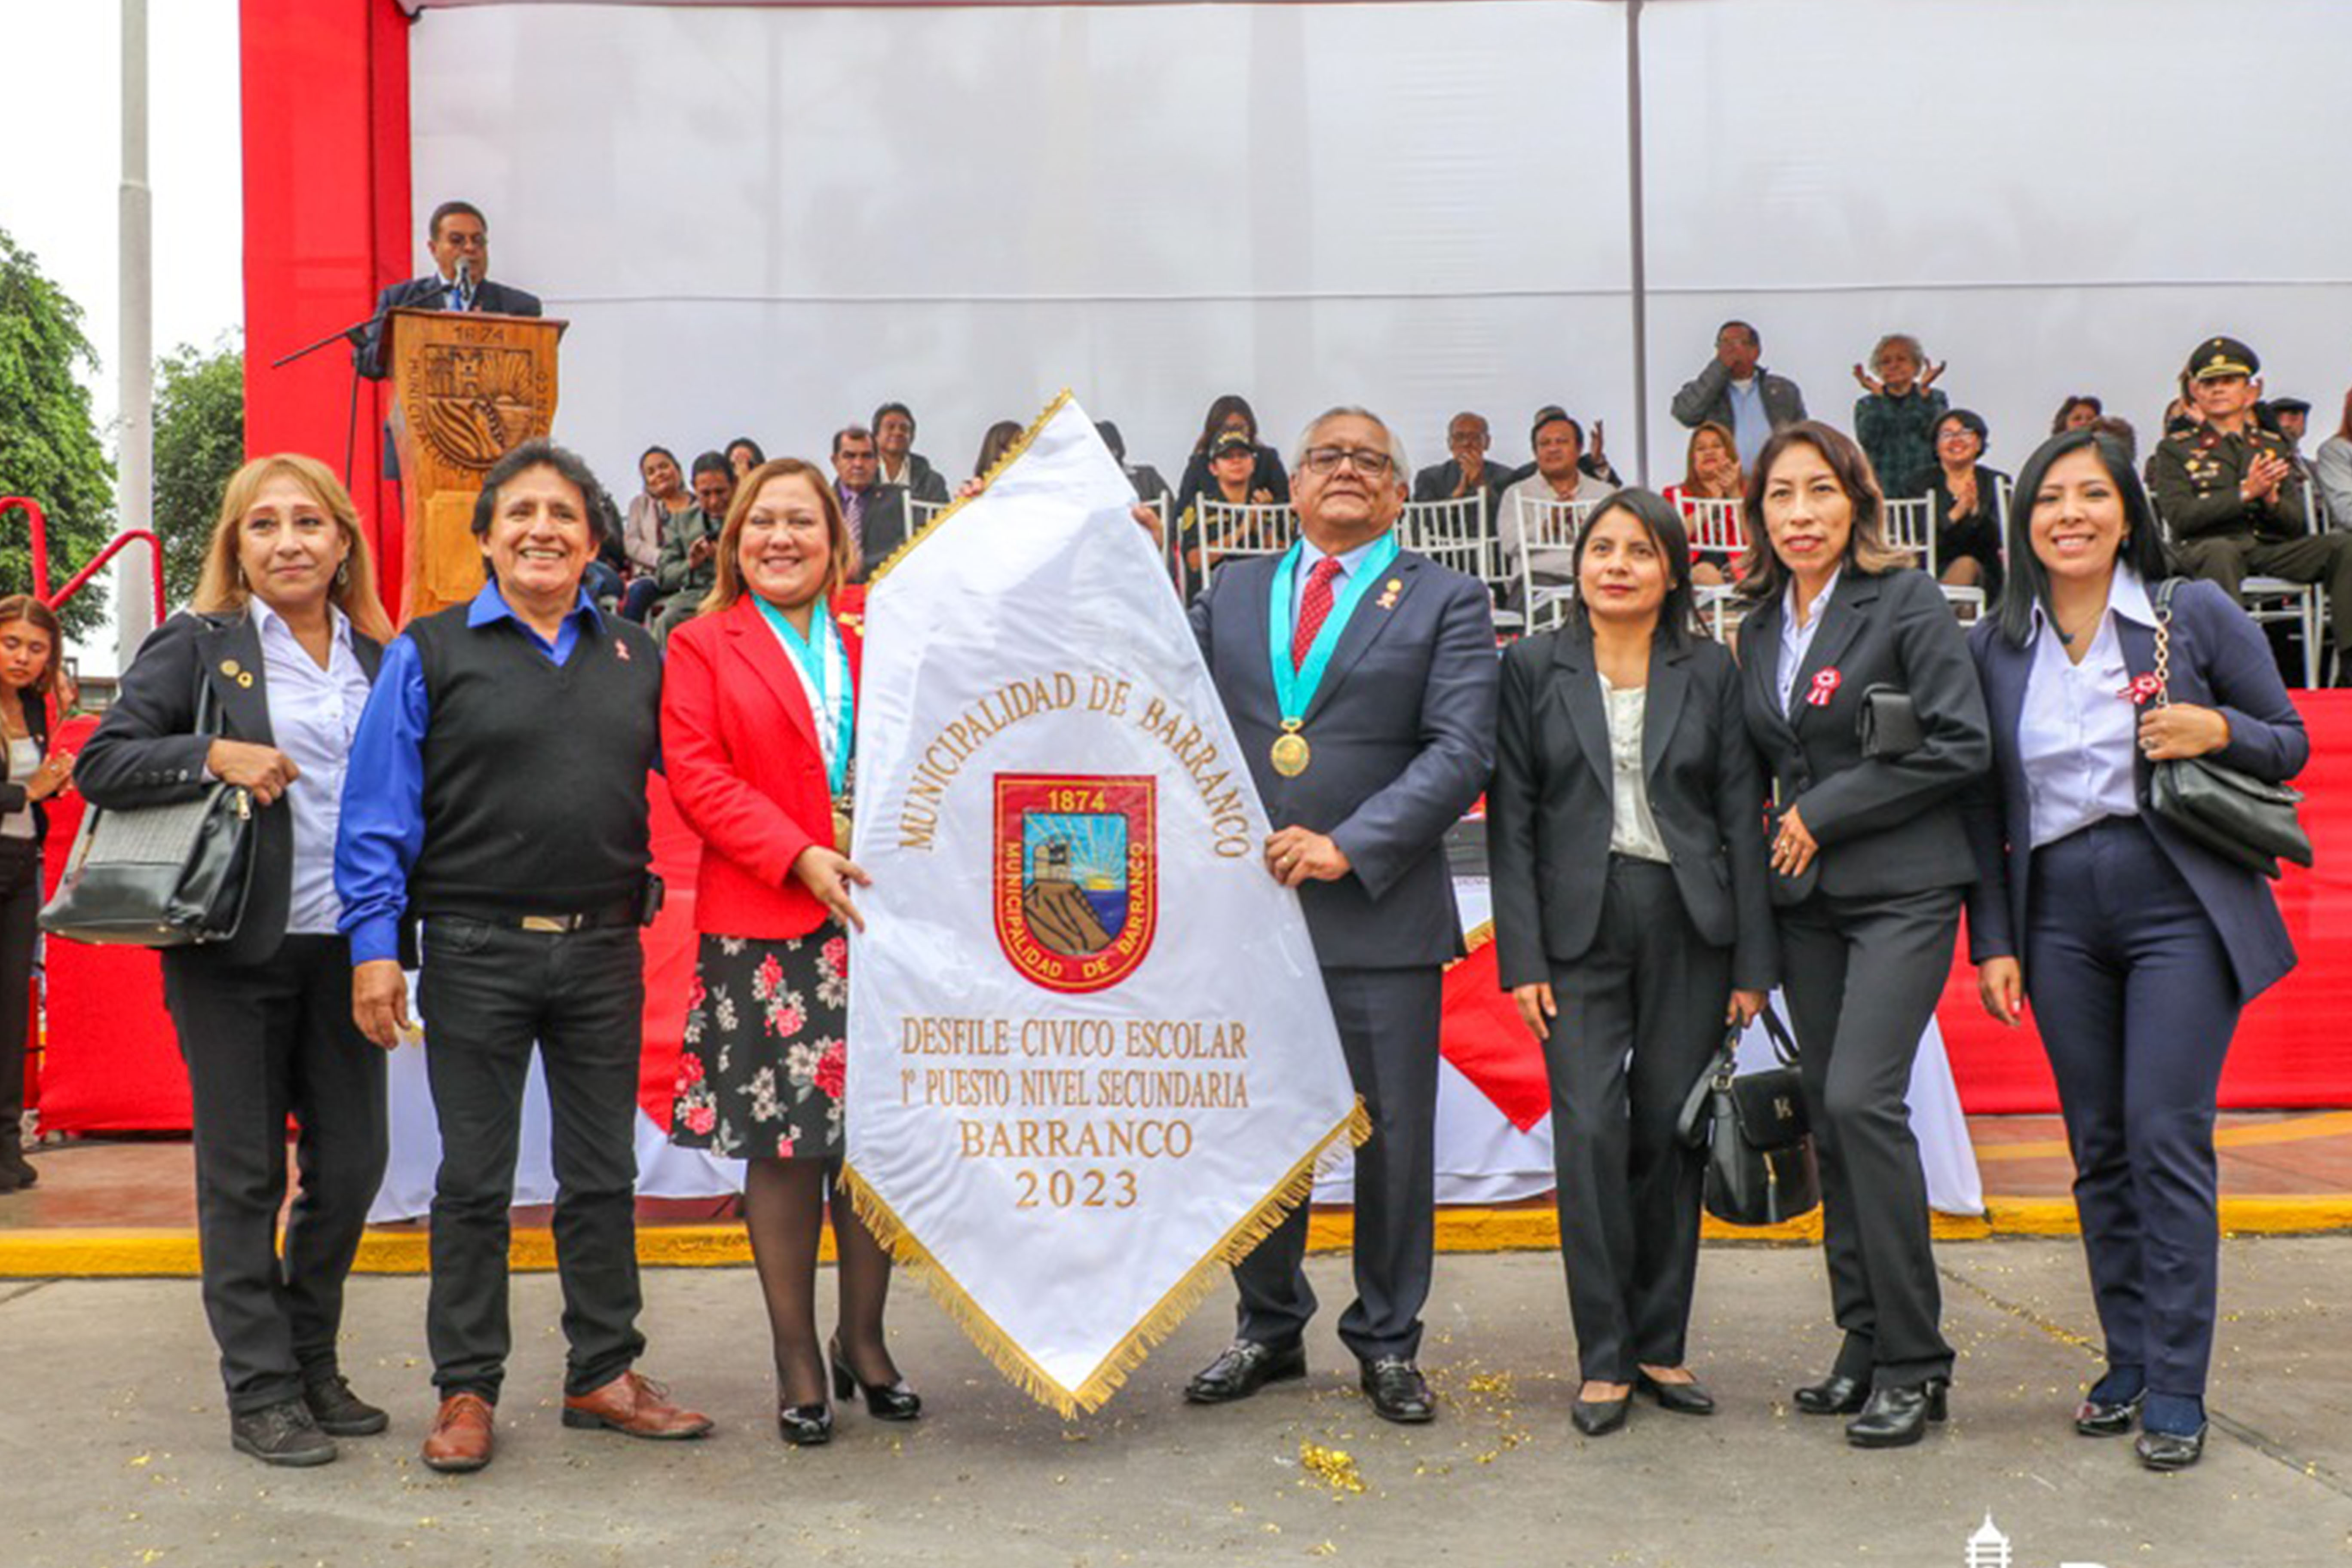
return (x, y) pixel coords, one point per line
(1635, 230)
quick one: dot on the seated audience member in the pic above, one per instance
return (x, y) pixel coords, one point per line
(994, 444)
(689, 547)
(1233, 470)
(1559, 444)
(1710, 472)
(2229, 495)
(1964, 496)
(897, 463)
(2076, 414)
(1231, 415)
(2120, 431)
(743, 454)
(650, 514)
(1896, 417)
(2333, 471)
(608, 573)
(1466, 472)
(1735, 392)
(1150, 488)
(2290, 419)
(876, 513)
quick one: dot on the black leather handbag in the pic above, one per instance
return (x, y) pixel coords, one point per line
(160, 876)
(2245, 820)
(1760, 1168)
(1888, 724)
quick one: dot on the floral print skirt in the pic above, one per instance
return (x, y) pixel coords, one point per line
(766, 1041)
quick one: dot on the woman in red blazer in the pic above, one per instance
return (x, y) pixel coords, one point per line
(757, 723)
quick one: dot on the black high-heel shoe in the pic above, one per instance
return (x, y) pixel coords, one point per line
(804, 1425)
(892, 1402)
(1897, 1417)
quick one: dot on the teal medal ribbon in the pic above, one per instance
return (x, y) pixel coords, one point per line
(824, 662)
(1293, 687)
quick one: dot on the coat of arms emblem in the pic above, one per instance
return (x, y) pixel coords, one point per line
(1076, 884)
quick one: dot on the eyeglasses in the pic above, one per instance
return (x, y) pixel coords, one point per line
(1324, 460)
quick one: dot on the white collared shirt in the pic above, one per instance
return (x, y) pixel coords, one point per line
(1796, 641)
(313, 714)
(2075, 733)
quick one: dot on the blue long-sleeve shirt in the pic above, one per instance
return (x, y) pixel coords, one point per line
(382, 827)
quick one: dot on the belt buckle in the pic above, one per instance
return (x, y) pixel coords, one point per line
(546, 923)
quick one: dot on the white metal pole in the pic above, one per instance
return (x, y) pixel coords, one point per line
(1638, 229)
(135, 359)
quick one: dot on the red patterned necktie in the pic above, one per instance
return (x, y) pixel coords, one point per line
(1314, 608)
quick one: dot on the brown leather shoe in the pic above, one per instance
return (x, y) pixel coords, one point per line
(461, 1435)
(636, 1406)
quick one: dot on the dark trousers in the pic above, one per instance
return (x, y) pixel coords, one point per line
(1641, 1014)
(1388, 1022)
(1862, 978)
(263, 1041)
(2324, 558)
(487, 993)
(20, 907)
(2136, 1001)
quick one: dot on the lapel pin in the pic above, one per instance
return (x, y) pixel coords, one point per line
(1825, 684)
(2142, 687)
(1389, 592)
(620, 650)
(228, 667)
(244, 678)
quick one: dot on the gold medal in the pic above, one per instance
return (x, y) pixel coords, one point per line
(1291, 754)
(841, 831)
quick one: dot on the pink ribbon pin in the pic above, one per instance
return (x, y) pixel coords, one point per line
(1825, 683)
(2142, 687)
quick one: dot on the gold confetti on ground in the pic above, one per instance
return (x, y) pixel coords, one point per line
(1497, 1383)
(1333, 1467)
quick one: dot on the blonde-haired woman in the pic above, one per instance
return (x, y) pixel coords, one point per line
(759, 714)
(30, 644)
(260, 685)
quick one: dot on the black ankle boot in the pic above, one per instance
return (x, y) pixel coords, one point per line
(1897, 1417)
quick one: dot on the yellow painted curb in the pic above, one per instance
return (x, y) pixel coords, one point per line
(97, 1254)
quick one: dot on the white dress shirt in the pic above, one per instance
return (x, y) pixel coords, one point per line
(1633, 830)
(2076, 733)
(313, 714)
(1796, 641)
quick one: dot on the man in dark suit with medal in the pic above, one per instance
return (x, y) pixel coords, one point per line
(1360, 680)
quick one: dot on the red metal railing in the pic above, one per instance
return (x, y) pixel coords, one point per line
(32, 509)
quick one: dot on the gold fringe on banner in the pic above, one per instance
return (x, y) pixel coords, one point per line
(1036, 428)
(1023, 1372)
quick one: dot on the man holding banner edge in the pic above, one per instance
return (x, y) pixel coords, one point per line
(1361, 682)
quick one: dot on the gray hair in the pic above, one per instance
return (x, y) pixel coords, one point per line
(1346, 411)
(1898, 340)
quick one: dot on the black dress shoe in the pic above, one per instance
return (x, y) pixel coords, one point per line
(1599, 1417)
(2108, 1417)
(1897, 1417)
(338, 1412)
(2171, 1450)
(281, 1434)
(1245, 1367)
(1681, 1398)
(1398, 1391)
(1836, 1395)
(884, 1402)
(804, 1425)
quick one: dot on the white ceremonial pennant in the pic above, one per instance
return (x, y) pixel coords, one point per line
(1091, 1061)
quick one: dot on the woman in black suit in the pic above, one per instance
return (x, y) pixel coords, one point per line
(285, 635)
(2139, 968)
(30, 644)
(1869, 859)
(1632, 921)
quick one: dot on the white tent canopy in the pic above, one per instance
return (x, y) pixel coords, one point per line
(766, 220)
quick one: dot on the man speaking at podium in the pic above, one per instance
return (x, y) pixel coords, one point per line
(459, 239)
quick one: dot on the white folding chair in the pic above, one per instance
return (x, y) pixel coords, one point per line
(1718, 535)
(1549, 528)
(1911, 525)
(1452, 533)
(921, 513)
(1226, 531)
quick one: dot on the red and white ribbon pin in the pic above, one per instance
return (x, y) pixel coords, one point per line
(2142, 687)
(1825, 684)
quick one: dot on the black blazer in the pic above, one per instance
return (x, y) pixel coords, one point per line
(146, 751)
(429, 293)
(1550, 809)
(12, 791)
(2220, 660)
(1886, 826)
(884, 529)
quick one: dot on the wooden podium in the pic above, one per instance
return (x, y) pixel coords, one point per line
(467, 389)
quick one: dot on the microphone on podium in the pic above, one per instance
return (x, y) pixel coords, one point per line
(465, 285)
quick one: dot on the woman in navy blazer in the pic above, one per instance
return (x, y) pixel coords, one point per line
(1629, 904)
(2138, 972)
(1869, 860)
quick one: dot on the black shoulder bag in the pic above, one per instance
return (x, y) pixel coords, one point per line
(1759, 1148)
(2240, 817)
(161, 876)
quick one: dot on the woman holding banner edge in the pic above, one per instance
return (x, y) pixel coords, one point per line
(1632, 922)
(758, 724)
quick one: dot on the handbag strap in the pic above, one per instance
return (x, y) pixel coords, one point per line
(1784, 1045)
(2163, 696)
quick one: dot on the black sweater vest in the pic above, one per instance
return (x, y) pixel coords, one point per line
(534, 772)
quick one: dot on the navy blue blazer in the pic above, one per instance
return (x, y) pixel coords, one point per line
(1402, 732)
(2219, 660)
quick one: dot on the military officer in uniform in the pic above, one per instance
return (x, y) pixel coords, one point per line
(2232, 495)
